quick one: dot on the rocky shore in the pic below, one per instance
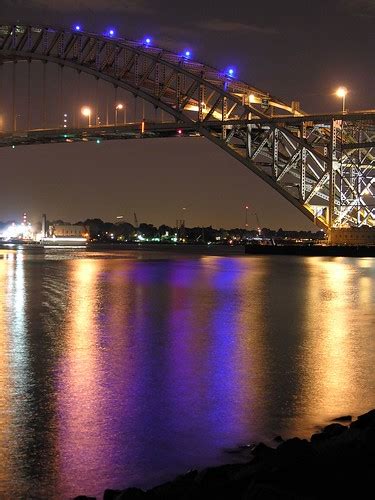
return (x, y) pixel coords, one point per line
(337, 463)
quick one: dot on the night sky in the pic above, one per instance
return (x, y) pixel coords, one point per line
(295, 50)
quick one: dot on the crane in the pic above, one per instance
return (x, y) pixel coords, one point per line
(259, 228)
(257, 219)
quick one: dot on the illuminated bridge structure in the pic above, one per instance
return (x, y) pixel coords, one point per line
(324, 165)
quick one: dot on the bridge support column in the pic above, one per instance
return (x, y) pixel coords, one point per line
(44, 96)
(14, 117)
(333, 164)
(224, 112)
(2, 122)
(28, 111)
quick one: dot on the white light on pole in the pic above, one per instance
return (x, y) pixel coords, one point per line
(119, 107)
(342, 92)
(86, 111)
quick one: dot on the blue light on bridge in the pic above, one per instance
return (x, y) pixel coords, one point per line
(77, 27)
(148, 41)
(111, 32)
(231, 72)
(187, 54)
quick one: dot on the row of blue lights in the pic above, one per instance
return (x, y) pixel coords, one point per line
(147, 41)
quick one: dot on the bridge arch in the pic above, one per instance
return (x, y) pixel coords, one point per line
(271, 138)
(167, 80)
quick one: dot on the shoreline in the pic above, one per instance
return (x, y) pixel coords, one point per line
(338, 461)
(213, 249)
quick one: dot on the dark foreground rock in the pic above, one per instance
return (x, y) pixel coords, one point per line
(337, 463)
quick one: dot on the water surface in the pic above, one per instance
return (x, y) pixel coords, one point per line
(127, 368)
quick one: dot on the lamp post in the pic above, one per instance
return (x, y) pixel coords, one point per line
(119, 107)
(86, 111)
(342, 92)
(246, 217)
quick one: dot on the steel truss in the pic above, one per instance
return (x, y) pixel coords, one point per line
(324, 165)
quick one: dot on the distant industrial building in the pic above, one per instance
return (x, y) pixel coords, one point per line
(67, 231)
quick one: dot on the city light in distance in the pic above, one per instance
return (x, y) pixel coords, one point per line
(187, 53)
(24, 231)
(231, 71)
(77, 27)
(148, 40)
(120, 106)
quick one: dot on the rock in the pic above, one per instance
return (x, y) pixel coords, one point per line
(249, 446)
(219, 482)
(263, 452)
(339, 462)
(366, 420)
(183, 487)
(328, 432)
(111, 494)
(278, 439)
(264, 491)
(128, 494)
(295, 451)
(219, 474)
(246, 473)
(345, 418)
(233, 451)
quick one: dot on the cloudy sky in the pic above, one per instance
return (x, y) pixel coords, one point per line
(295, 50)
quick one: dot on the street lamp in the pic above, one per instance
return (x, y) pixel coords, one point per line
(246, 217)
(86, 111)
(119, 107)
(342, 92)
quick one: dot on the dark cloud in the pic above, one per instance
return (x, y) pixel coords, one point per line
(365, 8)
(129, 6)
(223, 26)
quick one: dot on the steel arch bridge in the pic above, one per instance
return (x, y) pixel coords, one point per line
(324, 165)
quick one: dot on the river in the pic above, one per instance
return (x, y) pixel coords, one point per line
(125, 368)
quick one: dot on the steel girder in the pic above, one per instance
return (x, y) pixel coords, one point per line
(187, 90)
(322, 165)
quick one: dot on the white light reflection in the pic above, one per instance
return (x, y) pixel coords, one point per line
(16, 299)
(336, 355)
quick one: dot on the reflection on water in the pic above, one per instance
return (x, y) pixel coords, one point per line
(125, 369)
